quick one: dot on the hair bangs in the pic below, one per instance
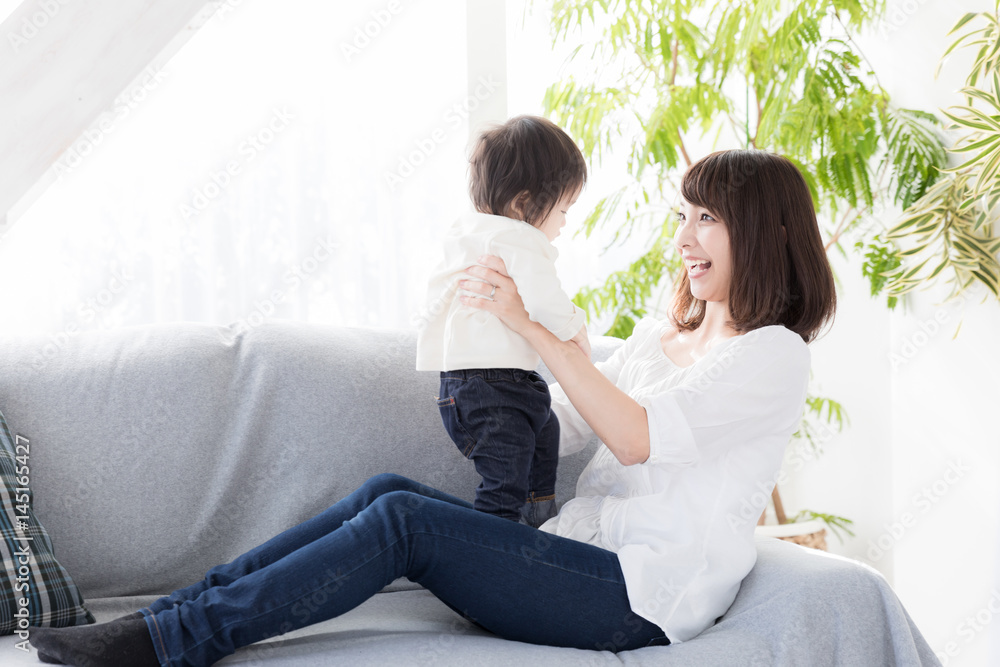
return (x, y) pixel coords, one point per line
(706, 184)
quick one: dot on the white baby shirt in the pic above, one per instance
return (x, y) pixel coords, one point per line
(452, 336)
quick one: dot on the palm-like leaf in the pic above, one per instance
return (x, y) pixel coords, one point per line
(914, 153)
(943, 235)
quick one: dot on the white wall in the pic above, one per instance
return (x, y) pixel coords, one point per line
(851, 476)
(918, 469)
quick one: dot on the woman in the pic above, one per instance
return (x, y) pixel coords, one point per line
(694, 414)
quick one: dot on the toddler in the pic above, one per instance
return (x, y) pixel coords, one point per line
(524, 176)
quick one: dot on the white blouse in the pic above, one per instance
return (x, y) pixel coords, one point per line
(682, 523)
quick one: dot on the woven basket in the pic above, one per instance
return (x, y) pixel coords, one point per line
(815, 540)
(814, 535)
(810, 533)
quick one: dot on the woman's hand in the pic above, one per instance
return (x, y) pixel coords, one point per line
(617, 419)
(506, 302)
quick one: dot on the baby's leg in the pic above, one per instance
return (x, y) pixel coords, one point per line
(493, 415)
(502, 457)
(541, 503)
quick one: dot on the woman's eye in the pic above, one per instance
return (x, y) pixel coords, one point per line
(706, 216)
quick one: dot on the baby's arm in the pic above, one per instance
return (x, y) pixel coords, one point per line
(530, 263)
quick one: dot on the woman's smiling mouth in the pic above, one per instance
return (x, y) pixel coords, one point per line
(697, 267)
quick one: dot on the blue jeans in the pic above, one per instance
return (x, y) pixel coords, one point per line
(501, 418)
(509, 578)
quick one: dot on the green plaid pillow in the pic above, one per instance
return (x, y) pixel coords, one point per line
(34, 587)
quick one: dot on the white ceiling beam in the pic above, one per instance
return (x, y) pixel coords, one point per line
(62, 64)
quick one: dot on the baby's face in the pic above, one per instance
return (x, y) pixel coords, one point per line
(556, 219)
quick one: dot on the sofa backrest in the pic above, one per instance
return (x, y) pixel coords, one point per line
(159, 451)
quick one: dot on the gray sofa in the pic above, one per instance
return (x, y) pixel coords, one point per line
(160, 451)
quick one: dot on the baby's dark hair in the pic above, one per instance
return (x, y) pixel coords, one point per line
(522, 168)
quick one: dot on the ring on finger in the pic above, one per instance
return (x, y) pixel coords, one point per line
(493, 291)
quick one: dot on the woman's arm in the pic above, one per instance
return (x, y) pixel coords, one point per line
(618, 420)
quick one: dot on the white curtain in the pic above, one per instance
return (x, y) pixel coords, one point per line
(294, 160)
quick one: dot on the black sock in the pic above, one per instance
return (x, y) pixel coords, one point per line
(52, 660)
(123, 642)
(45, 657)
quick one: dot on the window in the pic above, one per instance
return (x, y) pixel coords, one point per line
(291, 161)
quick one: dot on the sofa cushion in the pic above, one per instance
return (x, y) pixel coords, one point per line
(35, 590)
(160, 451)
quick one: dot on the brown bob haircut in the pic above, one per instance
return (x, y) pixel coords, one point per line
(774, 281)
(522, 168)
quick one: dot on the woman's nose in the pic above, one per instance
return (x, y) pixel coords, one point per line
(683, 235)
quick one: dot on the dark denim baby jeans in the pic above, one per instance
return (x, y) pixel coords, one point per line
(501, 418)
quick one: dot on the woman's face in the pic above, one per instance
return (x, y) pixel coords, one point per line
(703, 242)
